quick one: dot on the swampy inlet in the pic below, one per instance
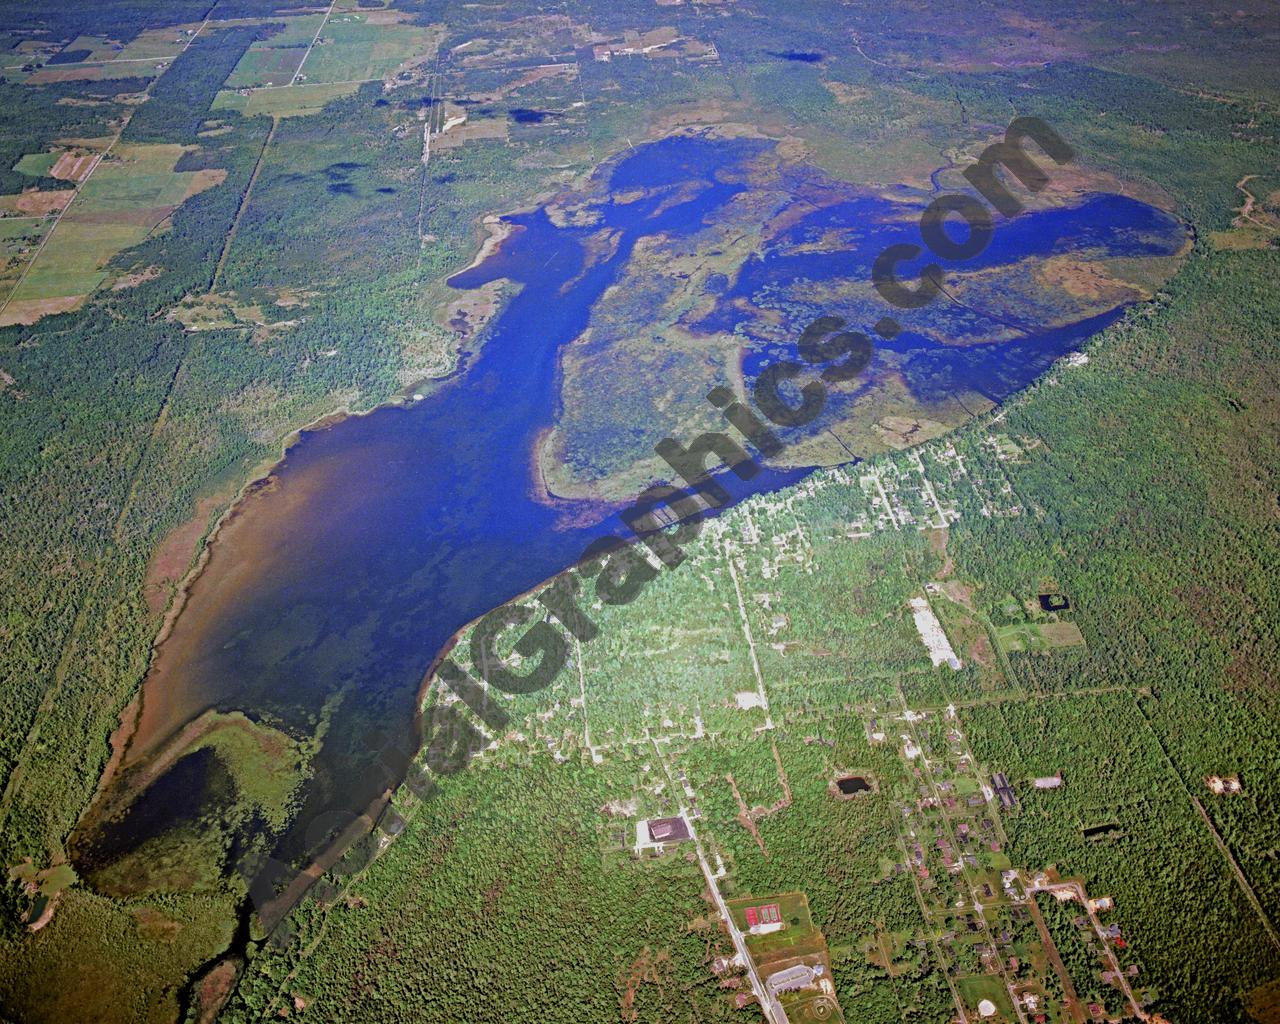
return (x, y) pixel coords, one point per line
(285, 692)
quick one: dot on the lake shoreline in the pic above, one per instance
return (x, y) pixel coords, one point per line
(379, 540)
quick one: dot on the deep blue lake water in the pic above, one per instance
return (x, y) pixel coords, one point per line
(377, 538)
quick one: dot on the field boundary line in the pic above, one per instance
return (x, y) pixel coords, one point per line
(305, 85)
(96, 63)
(1239, 872)
(244, 203)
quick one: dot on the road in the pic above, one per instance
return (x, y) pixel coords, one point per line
(928, 489)
(970, 884)
(888, 505)
(1077, 1007)
(773, 1013)
(323, 22)
(1077, 890)
(746, 631)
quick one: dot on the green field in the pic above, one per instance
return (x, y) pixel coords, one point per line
(298, 30)
(353, 48)
(37, 165)
(19, 238)
(275, 60)
(130, 193)
(974, 989)
(1038, 637)
(794, 938)
(267, 66)
(286, 101)
(152, 44)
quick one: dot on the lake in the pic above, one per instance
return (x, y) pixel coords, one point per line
(334, 584)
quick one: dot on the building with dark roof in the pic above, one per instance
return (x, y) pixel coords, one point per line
(668, 830)
(1004, 791)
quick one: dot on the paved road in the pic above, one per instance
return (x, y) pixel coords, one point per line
(773, 1013)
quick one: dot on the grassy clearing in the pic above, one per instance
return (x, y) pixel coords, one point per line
(1038, 637)
(295, 101)
(92, 72)
(38, 165)
(979, 987)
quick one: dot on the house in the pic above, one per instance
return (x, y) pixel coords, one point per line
(1048, 781)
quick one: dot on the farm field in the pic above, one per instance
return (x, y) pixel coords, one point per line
(284, 101)
(1038, 636)
(132, 191)
(360, 47)
(275, 60)
(152, 44)
(19, 239)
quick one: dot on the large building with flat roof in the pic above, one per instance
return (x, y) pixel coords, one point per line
(668, 830)
(799, 976)
(657, 834)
